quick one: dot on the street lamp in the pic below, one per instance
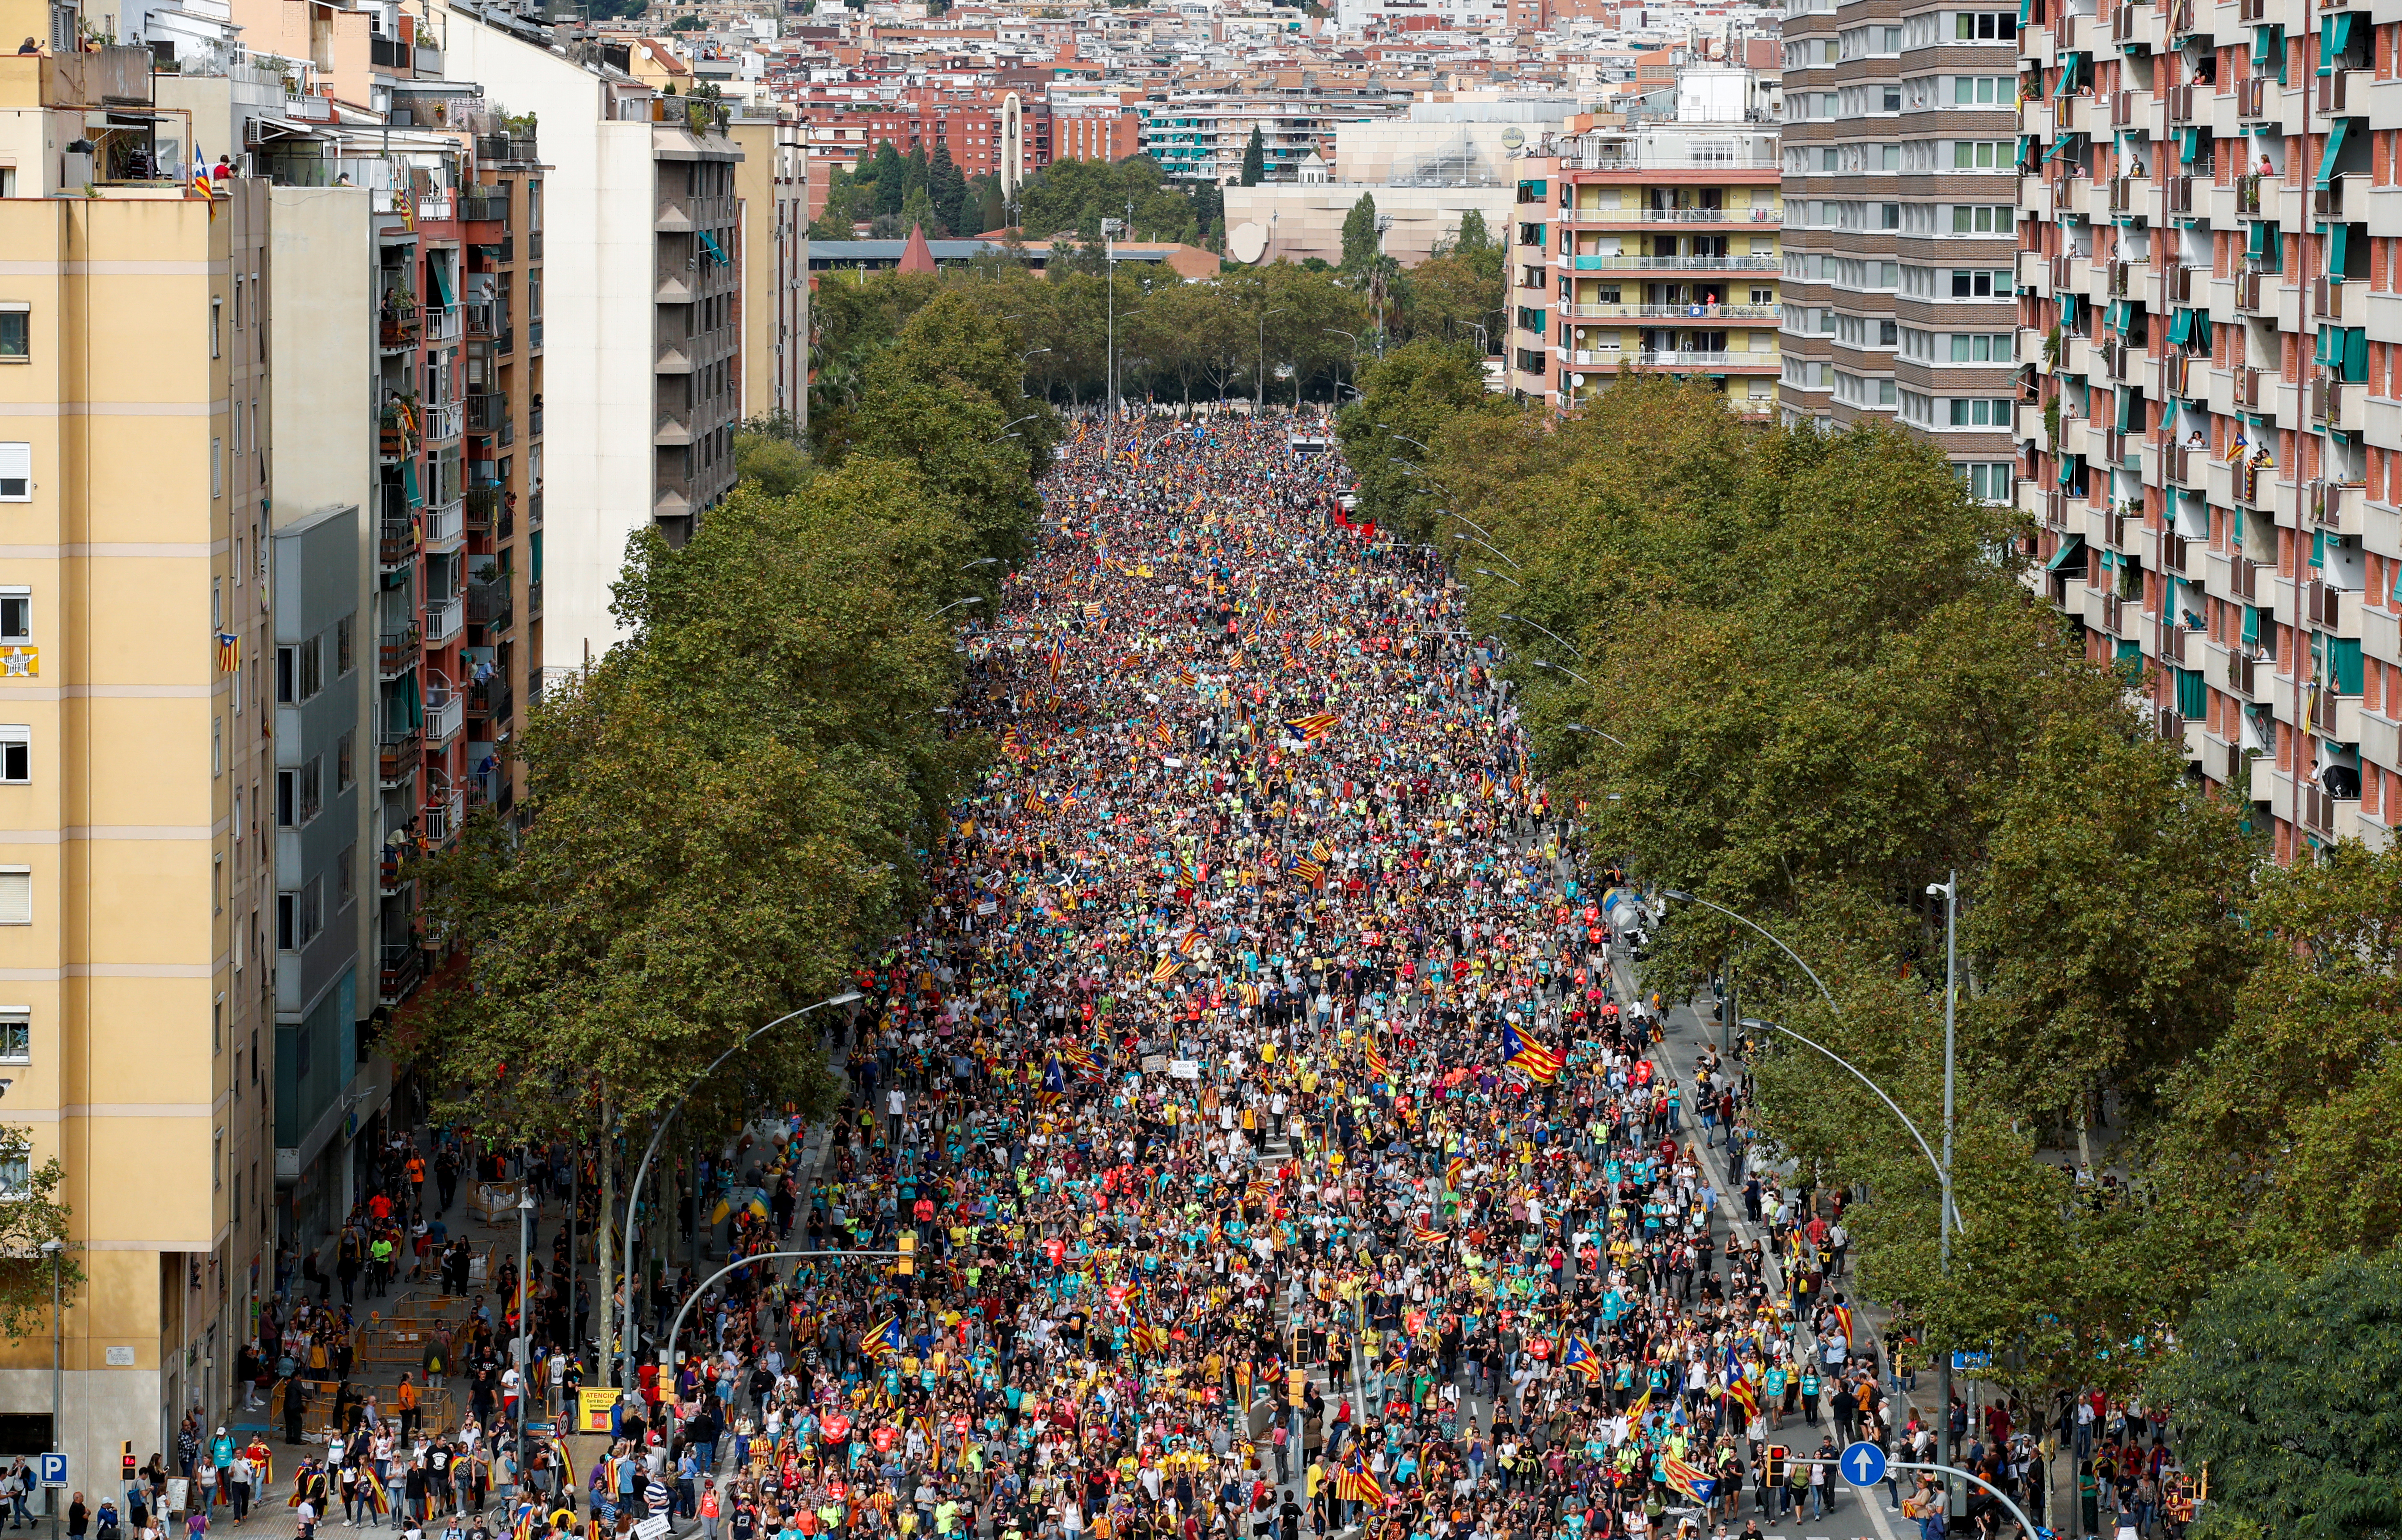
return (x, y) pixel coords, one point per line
(1504, 575)
(522, 1349)
(667, 1349)
(971, 599)
(979, 562)
(55, 1250)
(1595, 732)
(1941, 1174)
(1560, 668)
(1547, 631)
(633, 1194)
(1390, 429)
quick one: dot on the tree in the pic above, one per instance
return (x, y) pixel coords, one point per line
(1419, 391)
(1255, 159)
(1363, 244)
(34, 1217)
(2282, 1386)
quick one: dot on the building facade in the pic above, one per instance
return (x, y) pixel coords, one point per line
(1899, 166)
(2213, 417)
(1652, 246)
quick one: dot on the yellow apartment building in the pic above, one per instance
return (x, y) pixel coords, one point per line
(137, 899)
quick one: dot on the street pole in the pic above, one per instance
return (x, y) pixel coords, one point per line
(58, 1357)
(1957, 1496)
(522, 1349)
(667, 1348)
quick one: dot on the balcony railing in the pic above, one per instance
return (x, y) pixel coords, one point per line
(397, 326)
(1667, 312)
(403, 970)
(443, 421)
(442, 323)
(395, 538)
(533, 600)
(446, 712)
(1678, 264)
(397, 754)
(443, 620)
(489, 605)
(494, 702)
(483, 205)
(443, 815)
(487, 410)
(1700, 359)
(445, 526)
(1671, 216)
(396, 652)
(519, 148)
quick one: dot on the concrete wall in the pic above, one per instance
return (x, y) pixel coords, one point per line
(1307, 221)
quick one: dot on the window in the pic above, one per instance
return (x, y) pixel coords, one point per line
(346, 770)
(16, 895)
(1983, 155)
(17, 1176)
(1984, 218)
(300, 915)
(16, 1035)
(299, 670)
(1981, 91)
(1979, 284)
(217, 326)
(298, 795)
(1980, 26)
(1982, 347)
(1978, 413)
(346, 889)
(345, 645)
(16, 332)
(1988, 481)
(16, 473)
(16, 756)
(16, 614)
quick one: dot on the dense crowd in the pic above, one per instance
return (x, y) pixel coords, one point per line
(1280, 1149)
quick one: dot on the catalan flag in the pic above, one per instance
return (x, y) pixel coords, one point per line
(1689, 1478)
(1166, 969)
(1311, 729)
(1378, 1066)
(1540, 1065)
(1579, 1358)
(1844, 1320)
(1081, 1060)
(372, 1484)
(1451, 1169)
(1739, 1391)
(1320, 852)
(1187, 942)
(1641, 1405)
(1310, 872)
(1150, 1338)
(1187, 679)
(882, 1338)
(1424, 1235)
(1058, 655)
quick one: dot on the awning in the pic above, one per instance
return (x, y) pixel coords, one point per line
(2335, 38)
(2069, 62)
(2356, 354)
(2251, 625)
(2121, 313)
(2068, 311)
(2188, 144)
(2338, 247)
(2266, 40)
(441, 281)
(1529, 191)
(409, 483)
(2334, 147)
(2071, 550)
(2129, 418)
(2067, 469)
(2181, 326)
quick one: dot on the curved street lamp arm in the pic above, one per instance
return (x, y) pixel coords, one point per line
(667, 1348)
(1895, 1107)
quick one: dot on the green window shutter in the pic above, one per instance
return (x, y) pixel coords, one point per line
(2260, 45)
(2343, 664)
(2181, 326)
(2193, 695)
(2334, 147)
(2131, 652)
(2318, 548)
(2339, 247)
(2255, 238)
(2356, 354)
(2067, 469)
(2252, 620)
(409, 484)
(2188, 144)
(2335, 36)
(2127, 422)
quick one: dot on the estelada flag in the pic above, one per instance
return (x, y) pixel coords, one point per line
(1311, 729)
(1541, 1064)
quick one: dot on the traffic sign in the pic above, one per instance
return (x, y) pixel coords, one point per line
(1962, 1362)
(1863, 1464)
(54, 1469)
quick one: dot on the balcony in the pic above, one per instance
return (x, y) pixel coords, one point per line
(403, 970)
(480, 502)
(2185, 465)
(2339, 404)
(395, 538)
(488, 412)
(488, 606)
(2340, 507)
(2168, 647)
(444, 619)
(399, 326)
(1679, 264)
(2243, 579)
(2243, 674)
(1588, 218)
(446, 712)
(534, 510)
(1701, 359)
(482, 205)
(2251, 101)
(396, 652)
(398, 753)
(1666, 312)
(508, 149)
(492, 703)
(446, 528)
(443, 323)
(443, 421)
(2327, 203)
(386, 53)
(443, 815)
(533, 600)
(481, 315)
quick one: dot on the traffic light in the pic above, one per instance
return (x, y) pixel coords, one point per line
(1776, 1465)
(132, 1469)
(908, 1245)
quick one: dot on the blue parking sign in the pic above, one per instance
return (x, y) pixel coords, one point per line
(53, 1469)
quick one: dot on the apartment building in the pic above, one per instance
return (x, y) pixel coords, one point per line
(139, 778)
(773, 306)
(1202, 134)
(2214, 417)
(1647, 246)
(644, 230)
(1900, 224)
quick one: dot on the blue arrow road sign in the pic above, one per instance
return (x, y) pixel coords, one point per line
(1863, 1464)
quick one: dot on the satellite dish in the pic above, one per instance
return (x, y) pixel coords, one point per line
(1248, 242)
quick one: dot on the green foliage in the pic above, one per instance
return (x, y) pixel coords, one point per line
(1076, 195)
(769, 452)
(32, 1218)
(1421, 392)
(2288, 1120)
(2283, 1390)
(687, 24)
(1362, 245)
(1255, 159)
(726, 809)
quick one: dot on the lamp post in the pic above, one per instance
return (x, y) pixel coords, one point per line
(971, 599)
(1950, 889)
(667, 1348)
(1547, 631)
(1593, 732)
(1559, 668)
(1260, 388)
(1495, 549)
(522, 1349)
(55, 1250)
(1488, 572)
(633, 1193)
